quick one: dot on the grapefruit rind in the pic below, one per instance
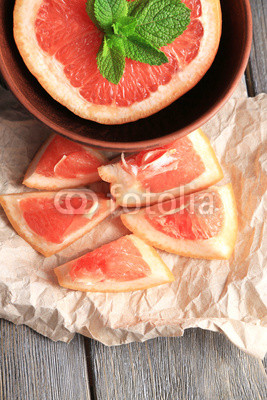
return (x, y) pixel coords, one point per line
(128, 191)
(37, 181)
(160, 274)
(51, 74)
(38, 243)
(217, 247)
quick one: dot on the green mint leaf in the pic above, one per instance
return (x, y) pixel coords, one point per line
(160, 22)
(125, 26)
(111, 61)
(107, 12)
(138, 49)
(91, 12)
(133, 6)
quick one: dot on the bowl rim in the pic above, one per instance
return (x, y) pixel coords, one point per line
(143, 144)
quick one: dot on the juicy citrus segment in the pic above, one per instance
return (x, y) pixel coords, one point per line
(165, 167)
(182, 218)
(126, 264)
(59, 44)
(202, 225)
(61, 163)
(51, 221)
(45, 219)
(181, 167)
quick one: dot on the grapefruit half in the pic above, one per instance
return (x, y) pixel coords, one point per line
(59, 44)
(51, 221)
(200, 225)
(61, 163)
(124, 265)
(181, 167)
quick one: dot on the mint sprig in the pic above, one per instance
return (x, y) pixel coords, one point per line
(135, 30)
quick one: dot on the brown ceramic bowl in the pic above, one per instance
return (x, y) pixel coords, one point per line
(186, 114)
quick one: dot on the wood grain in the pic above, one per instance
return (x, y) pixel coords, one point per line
(257, 68)
(33, 367)
(201, 365)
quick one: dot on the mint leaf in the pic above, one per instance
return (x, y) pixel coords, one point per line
(107, 12)
(125, 26)
(138, 49)
(134, 5)
(91, 12)
(161, 21)
(110, 61)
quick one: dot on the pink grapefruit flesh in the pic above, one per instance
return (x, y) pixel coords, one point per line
(120, 261)
(167, 166)
(188, 222)
(43, 217)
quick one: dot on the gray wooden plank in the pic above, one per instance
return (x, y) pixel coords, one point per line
(201, 365)
(33, 367)
(257, 68)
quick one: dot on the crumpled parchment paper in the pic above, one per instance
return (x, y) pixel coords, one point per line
(224, 296)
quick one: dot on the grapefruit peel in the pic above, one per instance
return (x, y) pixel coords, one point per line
(159, 272)
(11, 206)
(219, 246)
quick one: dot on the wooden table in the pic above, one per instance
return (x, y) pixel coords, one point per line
(199, 366)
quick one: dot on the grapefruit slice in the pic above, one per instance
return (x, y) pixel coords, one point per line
(51, 221)
(61, 163)
(124, 265)
(181, 167)
(200, 225)
(59, 44)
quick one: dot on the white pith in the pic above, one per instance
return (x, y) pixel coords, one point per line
(50, 74)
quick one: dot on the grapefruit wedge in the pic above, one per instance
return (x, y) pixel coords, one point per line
(59, 45)
(200, 225)
(61, 163)
(51, 221)
(181, 167)
(124, 265)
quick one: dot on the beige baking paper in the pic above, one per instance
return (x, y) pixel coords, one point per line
(228, 297)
